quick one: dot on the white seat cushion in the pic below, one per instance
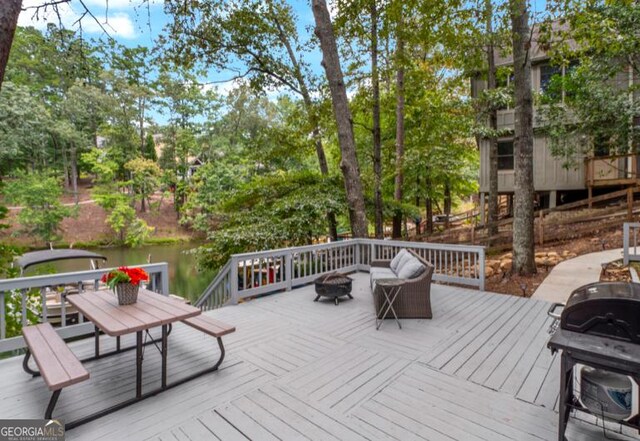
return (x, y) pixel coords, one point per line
(411, 269)
(376, 273)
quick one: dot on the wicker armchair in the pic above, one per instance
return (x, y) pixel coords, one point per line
(414, 300)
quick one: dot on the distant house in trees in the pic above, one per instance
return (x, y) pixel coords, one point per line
(194, 164)
(101, 142)
(554, 184)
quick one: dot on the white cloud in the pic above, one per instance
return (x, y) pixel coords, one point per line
(120, 4)
(117, 24)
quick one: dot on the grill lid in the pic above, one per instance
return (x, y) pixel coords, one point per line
(608, 309)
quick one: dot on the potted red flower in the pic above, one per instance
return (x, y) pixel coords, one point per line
(125, 282)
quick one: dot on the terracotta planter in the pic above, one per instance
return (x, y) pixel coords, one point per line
(127, 293)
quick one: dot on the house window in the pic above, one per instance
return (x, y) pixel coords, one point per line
(505, 155)
(547, 71)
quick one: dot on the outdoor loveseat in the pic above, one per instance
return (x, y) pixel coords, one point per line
(414, 299)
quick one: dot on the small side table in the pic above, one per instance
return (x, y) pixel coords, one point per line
(390, 289)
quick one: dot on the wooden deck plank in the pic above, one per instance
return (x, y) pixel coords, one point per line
(245, 424)
(481, 336)
(490, 312)
(496, 337)
(450, 423)
(503, 357)
(311, 430)
(220, 427)
(268, 420)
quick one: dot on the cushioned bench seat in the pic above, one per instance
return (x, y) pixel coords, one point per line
(413, 301)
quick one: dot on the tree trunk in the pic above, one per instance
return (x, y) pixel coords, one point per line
(143, 206)
(9, 12)
(429, 208)
(493, 127)
(377, 141)
(141, 124)
(447, 203)
(523, 237)
(344, 123)
(399, 176)
(313, 120)
(418, 220)
(428, 204)
(73, 162)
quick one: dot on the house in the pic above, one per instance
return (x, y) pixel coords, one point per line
(554, 183)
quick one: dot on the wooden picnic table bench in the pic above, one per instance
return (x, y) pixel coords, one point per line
(58, 366)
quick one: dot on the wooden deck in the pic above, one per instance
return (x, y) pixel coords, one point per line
(298, 369)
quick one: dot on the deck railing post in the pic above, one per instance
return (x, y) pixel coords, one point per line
(372, 253)
(233, 280)
(357, 255)
(625, 242)
(288, 269)
(3, 317)
(482, 268)
(164, 280)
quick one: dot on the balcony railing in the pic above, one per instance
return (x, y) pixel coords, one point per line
(611, 170)
(252, 274)
(23, 301)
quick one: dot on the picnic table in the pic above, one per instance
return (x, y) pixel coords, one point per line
(152, 310)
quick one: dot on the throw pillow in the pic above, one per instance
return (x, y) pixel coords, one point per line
(396, 260)
(411, 269)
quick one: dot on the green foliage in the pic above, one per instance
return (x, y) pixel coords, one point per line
(145, 178)
(596, 112)
(123, 220)
(283, 209)
(149, 151)
(24, 129)
(41, 213)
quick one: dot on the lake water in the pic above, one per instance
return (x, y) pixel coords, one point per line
(184, 278)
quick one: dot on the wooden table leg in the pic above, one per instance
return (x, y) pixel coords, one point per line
(138, 364)
(164, 355)
(97, 342)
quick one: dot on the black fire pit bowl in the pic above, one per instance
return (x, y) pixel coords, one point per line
(333, 285)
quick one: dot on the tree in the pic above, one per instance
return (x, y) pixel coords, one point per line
(109, 193)
(493, 126)
(342, 114)
(399, 175)
(41, 212)
(9, 12)
(523, 235)
(149, 150)
(145, 178)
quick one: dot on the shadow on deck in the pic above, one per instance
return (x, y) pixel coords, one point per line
(298, 369)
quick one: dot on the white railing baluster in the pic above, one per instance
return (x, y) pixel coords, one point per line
(3, 316)
(43, 296)
(23, 292)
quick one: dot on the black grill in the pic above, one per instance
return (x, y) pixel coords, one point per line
(599, 327)
(606, 309)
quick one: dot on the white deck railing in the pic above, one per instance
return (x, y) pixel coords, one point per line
(251, 274)
(26, 297)
(630, 242)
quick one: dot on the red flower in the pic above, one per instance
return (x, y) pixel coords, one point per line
(125, 275)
